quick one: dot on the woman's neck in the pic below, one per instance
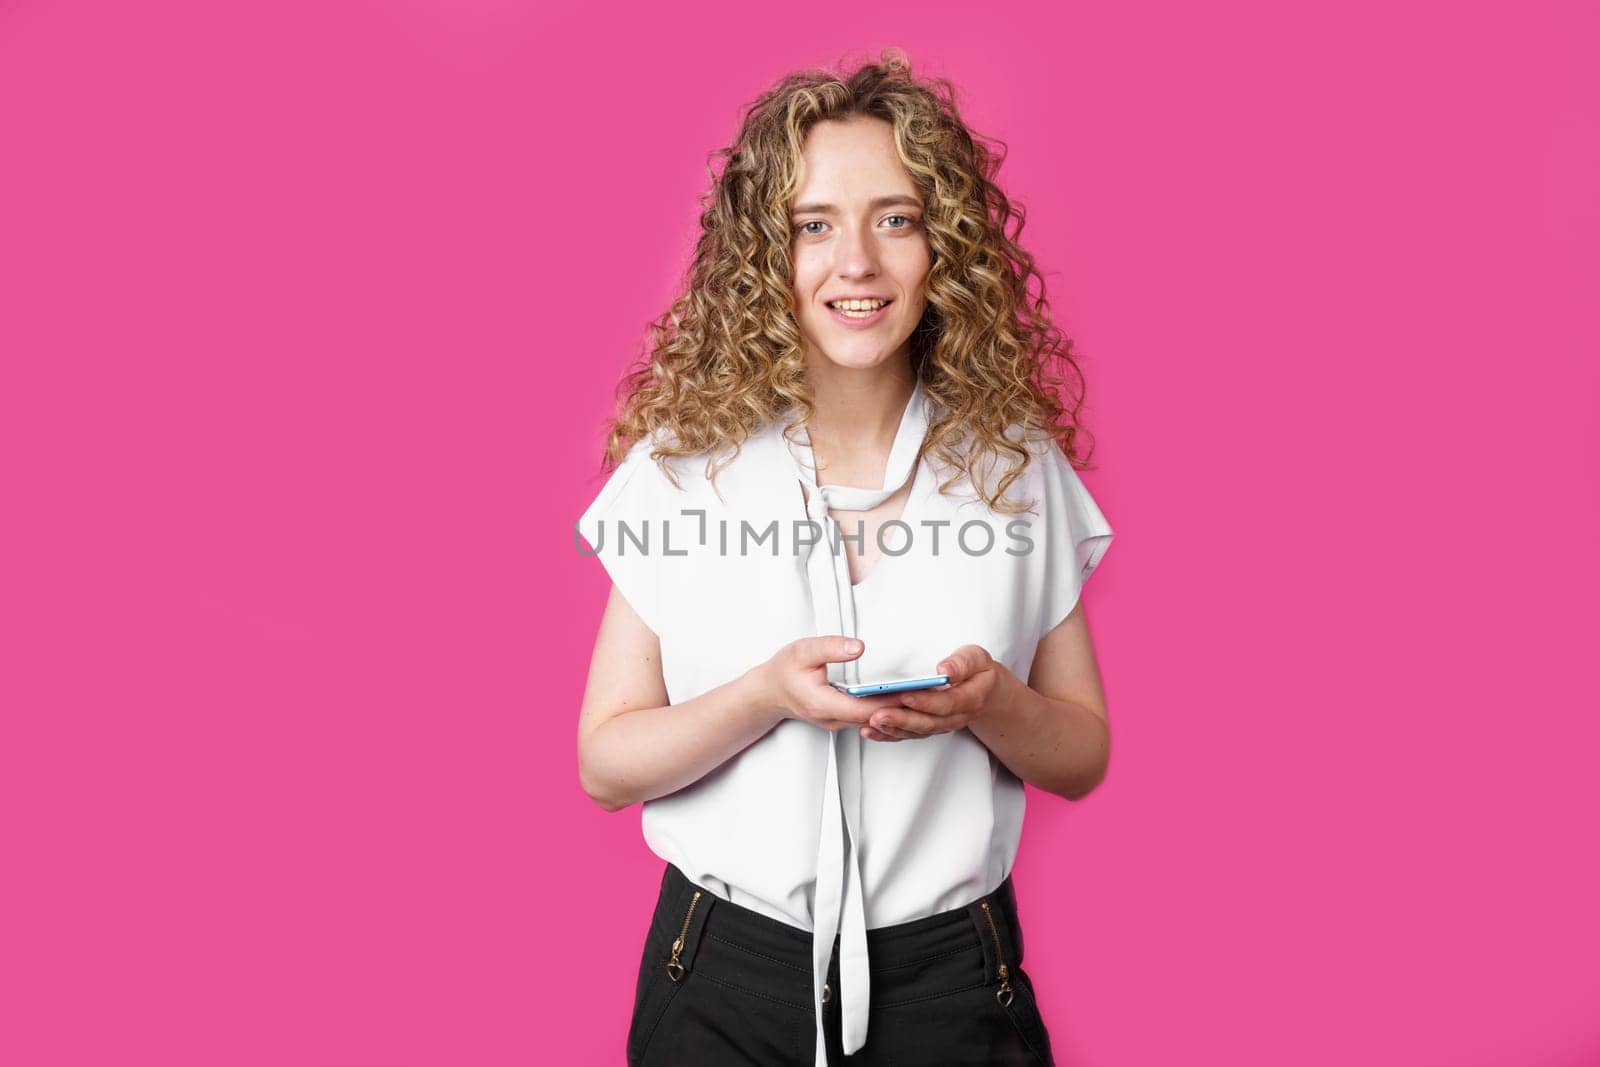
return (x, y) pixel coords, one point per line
(856, 411)
(858, 415)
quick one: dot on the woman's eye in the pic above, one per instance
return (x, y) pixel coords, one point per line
(910, 222)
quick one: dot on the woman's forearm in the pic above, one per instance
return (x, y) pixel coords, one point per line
(648, 753)
(1058, 745)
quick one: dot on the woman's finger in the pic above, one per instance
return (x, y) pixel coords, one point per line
(937, 705)
(837, 706)
(912, 723)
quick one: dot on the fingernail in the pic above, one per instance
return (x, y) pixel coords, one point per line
(853, 645)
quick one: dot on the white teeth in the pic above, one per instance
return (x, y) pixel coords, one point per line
(858, 305)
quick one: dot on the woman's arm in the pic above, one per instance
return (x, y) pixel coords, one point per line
(633, 745)
(1052, 731)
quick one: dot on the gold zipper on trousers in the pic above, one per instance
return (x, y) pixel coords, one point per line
(1004, 993)
(674, 968)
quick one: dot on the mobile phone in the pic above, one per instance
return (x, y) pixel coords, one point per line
(901, 686)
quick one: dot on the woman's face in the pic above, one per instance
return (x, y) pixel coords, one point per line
(857, 225)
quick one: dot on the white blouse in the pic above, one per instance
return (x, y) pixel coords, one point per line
(720, 573)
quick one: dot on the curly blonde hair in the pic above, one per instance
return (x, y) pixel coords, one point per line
(726, 358)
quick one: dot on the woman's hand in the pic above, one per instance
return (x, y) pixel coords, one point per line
(973, 674)
(794, 684)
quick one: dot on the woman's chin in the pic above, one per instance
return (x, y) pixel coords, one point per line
(861, 359)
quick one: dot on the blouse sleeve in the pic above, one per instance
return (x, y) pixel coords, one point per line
(1075, 536)
(623, 526)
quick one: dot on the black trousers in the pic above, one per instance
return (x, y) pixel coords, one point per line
(737, 990)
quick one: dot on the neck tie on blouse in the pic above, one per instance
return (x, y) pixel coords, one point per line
(839, 907)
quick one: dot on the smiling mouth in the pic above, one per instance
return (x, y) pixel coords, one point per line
(859, 316)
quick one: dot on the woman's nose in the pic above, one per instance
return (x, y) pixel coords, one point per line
(858, 255)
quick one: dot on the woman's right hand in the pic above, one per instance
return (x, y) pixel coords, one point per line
(794, 683)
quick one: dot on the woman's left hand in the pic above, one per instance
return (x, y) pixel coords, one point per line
(973, 674)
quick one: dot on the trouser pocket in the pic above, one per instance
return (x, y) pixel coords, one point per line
(663, 970)
(1013, 988)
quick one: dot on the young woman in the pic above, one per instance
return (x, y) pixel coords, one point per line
(844, 461)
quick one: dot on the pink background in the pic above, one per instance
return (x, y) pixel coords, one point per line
(310, 314)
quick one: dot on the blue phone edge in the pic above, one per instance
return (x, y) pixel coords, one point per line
(905, 685)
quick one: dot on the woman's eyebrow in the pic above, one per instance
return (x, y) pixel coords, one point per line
(882, 201)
